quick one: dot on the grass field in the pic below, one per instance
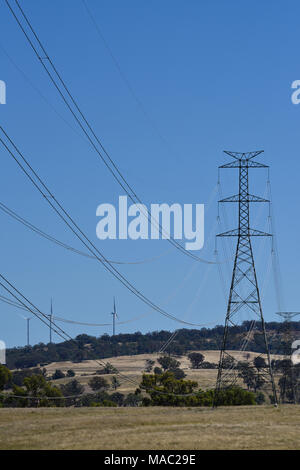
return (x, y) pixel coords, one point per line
(259, 427)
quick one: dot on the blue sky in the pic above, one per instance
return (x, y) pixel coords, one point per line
(211, 75)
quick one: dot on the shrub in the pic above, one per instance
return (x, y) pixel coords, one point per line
(58, 374)
(70, 373)
(98, 383)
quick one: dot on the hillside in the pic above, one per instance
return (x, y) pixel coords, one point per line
(133, 366)
(86, 347)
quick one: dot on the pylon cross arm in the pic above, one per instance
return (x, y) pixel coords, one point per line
(247, 198)
(250, 232)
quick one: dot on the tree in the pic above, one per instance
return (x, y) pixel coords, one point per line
(34, 384)
(117, 398)
(253, 379)
(58, 374)
(149, 365)
(260, 398)
(115, 383)
(289, 383)
(72, 388)
(70, 373)
(39, 391)
(178, 373)
(246, 372)
(228, 362)
(5, 376)
(259, 363)
(157, 371)
(109, 369)
(196, 360)
(235, 396)
(165, 390)
(168, 363)
(98, 384)
(18, 376)
(132, 399)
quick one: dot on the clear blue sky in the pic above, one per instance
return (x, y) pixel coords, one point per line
(212, 75)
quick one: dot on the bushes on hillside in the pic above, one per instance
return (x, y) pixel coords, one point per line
(166, 390)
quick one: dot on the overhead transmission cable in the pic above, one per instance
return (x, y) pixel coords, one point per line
(73, 226)
(90, 134)
(52, 239)
(37, 90)
(275, 254)
(124, 78)
(27, 304)
(168, 299)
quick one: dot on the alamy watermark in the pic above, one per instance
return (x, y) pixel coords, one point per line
(2, 352)
(296, 353)
(161, 221)
(2, 92)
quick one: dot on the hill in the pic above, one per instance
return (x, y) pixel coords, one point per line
(133, 366)
(86, 347)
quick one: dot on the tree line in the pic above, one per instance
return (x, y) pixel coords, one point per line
(91, 347)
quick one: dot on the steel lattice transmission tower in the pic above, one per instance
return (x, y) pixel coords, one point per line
(244, 291)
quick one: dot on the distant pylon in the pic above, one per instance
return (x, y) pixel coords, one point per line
(244, 292)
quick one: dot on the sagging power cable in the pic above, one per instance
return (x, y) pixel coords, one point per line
(49, 197)
(87, 129)
(52, 239)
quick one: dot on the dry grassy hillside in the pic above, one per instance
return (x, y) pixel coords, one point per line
(133, 366)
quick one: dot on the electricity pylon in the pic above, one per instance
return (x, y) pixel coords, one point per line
(244, 293)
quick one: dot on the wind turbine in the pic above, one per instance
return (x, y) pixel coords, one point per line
(114, 316)
(28, 340)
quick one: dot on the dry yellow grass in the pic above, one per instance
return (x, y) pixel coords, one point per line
(257, 427)
(133, 366)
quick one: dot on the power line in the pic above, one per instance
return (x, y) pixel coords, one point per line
(167, 299)
(73, 226)
(52, 239)
(14, 292)
(23, 301)
(28, 305)
(125, 79)
(36, 89)
(275, 254)
(74, 322)
(89, 132)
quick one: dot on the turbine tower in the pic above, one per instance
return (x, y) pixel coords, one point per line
(114, 316)
(244, 296)
(28, 333)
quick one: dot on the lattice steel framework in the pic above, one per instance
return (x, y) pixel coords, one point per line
(244, 291)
